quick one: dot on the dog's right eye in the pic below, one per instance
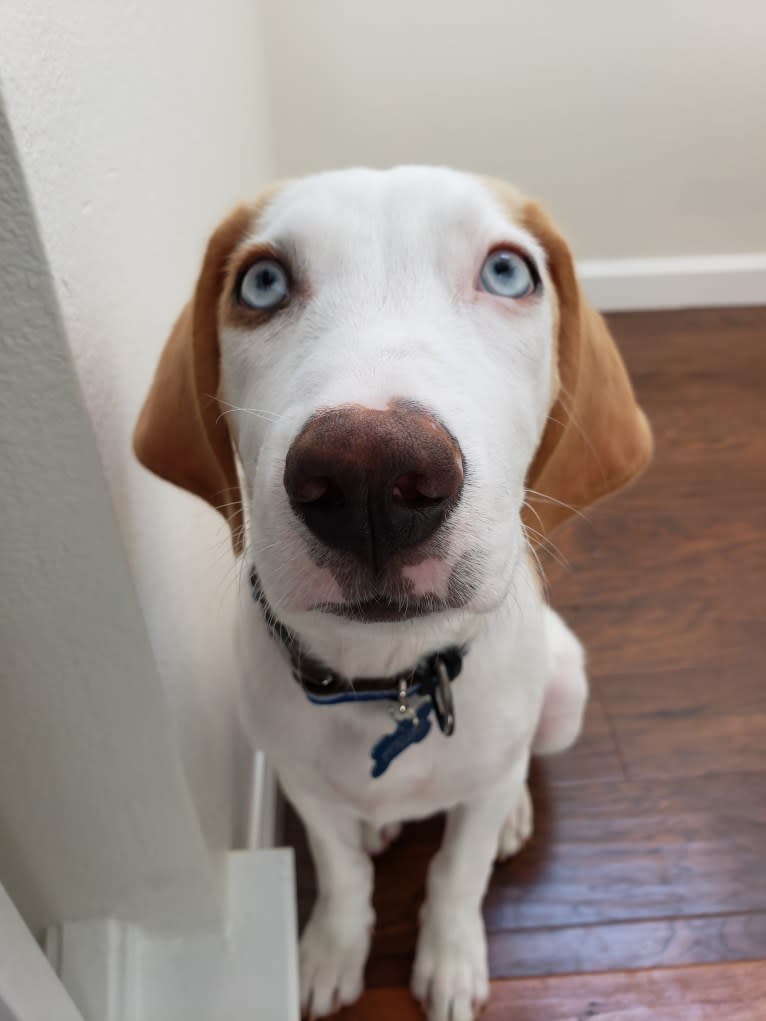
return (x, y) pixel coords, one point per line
(507, 274)
(264, 285)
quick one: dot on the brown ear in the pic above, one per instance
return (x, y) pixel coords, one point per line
(181, 434)
(597, 438)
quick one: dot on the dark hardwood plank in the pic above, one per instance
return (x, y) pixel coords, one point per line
(594, 757)
(722, 992)
(657, 943)
(691, 722)
(383, 1005)
(667, 591)
(734, 992)
(657, 848)
(667, 349)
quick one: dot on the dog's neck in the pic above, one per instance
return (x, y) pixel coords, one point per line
(363, 650)
(354, 649)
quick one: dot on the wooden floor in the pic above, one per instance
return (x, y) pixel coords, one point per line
(642, 894)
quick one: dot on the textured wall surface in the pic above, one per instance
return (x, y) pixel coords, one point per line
(642, 125)
(95, 816)
(139, 125)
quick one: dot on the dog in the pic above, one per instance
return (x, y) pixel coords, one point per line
(392, 386)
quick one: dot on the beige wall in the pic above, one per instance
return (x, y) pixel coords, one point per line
(642, 125)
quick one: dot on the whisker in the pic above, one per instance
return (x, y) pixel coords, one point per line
(533, 510)
(560, 503)
(267, 416)
(540, 569)
(231, 503)
(548, 547)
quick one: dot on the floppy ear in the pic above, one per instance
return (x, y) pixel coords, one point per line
(181, 434)
(597, 437)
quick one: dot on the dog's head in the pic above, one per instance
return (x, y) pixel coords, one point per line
(380, 379)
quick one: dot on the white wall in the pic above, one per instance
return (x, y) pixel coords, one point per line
(95, 816)
(642, 125)
(139, 124)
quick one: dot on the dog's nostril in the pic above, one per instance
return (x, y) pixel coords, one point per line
(318, 492)
(310, 490)
(415, 490)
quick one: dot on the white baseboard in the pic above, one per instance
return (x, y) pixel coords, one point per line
(684, 281)
(245, 971)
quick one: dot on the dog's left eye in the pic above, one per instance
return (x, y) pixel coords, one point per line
(264, 285)
(507, 274)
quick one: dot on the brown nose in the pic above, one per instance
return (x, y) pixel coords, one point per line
(373, 482)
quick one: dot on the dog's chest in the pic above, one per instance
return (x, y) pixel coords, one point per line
(325, 751)
(436, 773)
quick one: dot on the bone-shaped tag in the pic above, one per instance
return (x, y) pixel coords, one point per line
(407, 732)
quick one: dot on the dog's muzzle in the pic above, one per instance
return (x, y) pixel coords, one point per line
(374, 483)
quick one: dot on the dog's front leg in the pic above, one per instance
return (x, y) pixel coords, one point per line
(451, 975)
(336, 940)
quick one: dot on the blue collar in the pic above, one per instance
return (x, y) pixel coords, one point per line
(413, 693)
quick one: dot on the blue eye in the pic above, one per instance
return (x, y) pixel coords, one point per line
(264, 285)
(507, 274)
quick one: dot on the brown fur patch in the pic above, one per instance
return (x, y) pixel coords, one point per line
(597, 437)
(181, 434)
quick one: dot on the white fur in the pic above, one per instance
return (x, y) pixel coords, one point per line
(390, 309)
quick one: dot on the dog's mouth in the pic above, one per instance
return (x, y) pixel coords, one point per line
(380, 609)
(405, 592)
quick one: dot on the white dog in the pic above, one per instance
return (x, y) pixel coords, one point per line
(391, 385)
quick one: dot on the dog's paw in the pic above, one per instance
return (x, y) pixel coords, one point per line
(375, 840)
(333, 951)
(451, 975)
(517, 828)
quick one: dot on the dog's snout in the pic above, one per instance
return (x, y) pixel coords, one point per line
(373, 482)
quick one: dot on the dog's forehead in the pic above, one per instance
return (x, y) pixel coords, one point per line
(409, 208)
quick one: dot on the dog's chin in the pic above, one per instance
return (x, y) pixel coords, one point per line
(380, 609)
